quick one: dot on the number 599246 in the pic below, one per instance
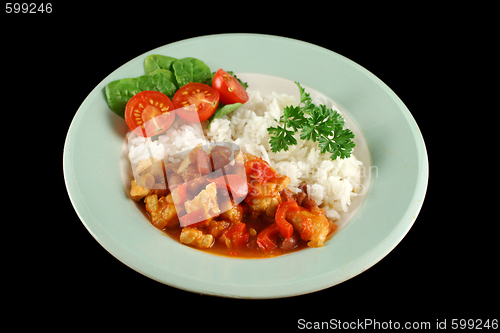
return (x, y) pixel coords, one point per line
(27, 8)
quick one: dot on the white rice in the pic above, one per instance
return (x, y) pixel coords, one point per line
(332, 184)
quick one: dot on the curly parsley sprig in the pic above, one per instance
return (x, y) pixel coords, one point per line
(316, 123)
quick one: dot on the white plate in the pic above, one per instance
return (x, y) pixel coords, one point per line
(393, 142)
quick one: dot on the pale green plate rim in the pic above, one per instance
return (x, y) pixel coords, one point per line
(91, 171)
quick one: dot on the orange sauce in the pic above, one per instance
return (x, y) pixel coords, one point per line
(219, 248)
(251, 251)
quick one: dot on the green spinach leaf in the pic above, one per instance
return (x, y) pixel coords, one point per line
(157, 61)
(119, 92)
(191, 70)
(222, 111)
(168, 75)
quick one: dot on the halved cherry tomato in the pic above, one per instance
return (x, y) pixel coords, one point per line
(231, 91)
(149, 113)
(204, 98)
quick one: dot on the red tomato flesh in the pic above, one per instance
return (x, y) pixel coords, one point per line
(231, 91)
(149, 113)
(236, 237)
(260, 170)
(204, 99)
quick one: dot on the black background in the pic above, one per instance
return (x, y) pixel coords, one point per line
(443, 268)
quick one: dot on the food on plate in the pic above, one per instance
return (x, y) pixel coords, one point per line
(119, 92)
(232, 203)
(316, 123)
(167, 75)
(148, 113)
(231, 91)
(204, 98)
(229, 171)
(155, 62)
(189, 69)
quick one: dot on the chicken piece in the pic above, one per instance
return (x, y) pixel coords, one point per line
(281, 182)
(146, 181)
(266, 205)
(162, 211)
(207, 200)
(151, 166)
(161, 192)
(312, 227)
(196, 238)
(215, 228)
(265, 198)
(265, 185)
(190, 159)
(233, 214)
(144, 164)
(137, 192)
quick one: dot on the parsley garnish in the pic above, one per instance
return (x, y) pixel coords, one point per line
(315, 123)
